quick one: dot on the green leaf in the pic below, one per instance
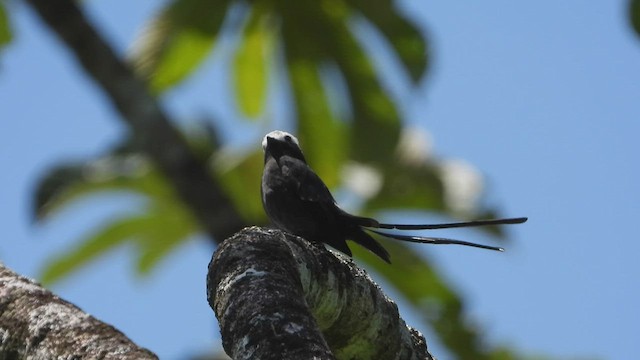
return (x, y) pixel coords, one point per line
(5, 27)
(322, 135)
(106, 238)
(375, 127)
(166, 222)
(50, 189)
(251, 63)
(409, 44)
(634, 15)
(169, 226)
(69, 182)
(175, 42)
(160, 229)
(408, 187)
(319, 132)
(240, 176)
(376, 123)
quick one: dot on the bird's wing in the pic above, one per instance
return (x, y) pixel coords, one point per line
(311, 188)
(307, 183)
(338, 225)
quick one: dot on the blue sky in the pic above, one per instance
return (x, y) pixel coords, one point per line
(542, 97)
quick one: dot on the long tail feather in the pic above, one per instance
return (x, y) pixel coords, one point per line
(518, 220)
(435, 240)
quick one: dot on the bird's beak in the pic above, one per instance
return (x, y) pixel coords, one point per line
(271, 141)
(274, 147)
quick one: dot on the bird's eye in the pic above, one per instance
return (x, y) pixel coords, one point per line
(287, 138)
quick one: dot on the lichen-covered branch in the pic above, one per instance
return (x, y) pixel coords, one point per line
(274, 295)
(152, 128)
(36, 324)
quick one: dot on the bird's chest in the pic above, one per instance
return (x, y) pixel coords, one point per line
(278, 182)
(280, 196)
(287, 209)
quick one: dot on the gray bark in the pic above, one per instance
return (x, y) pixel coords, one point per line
(277, 296)
(151, 126)
(36, 324)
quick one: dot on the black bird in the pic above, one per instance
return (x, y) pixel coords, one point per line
(297, 201)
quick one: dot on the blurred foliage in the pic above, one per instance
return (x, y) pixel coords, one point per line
(441, 308)
(634, 15)
(311, 38)
(317, 47)
(155, 228)
(252, 61)
(5, 27)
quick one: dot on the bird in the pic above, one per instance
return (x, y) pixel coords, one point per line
(297, 201)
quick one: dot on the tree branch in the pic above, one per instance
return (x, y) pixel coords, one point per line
(36, 324)
(151, 126)
(273, 293)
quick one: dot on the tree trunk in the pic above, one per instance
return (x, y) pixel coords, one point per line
(278, 296)
(36, 324)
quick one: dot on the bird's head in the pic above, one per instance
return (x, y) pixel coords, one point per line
(279, 143)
